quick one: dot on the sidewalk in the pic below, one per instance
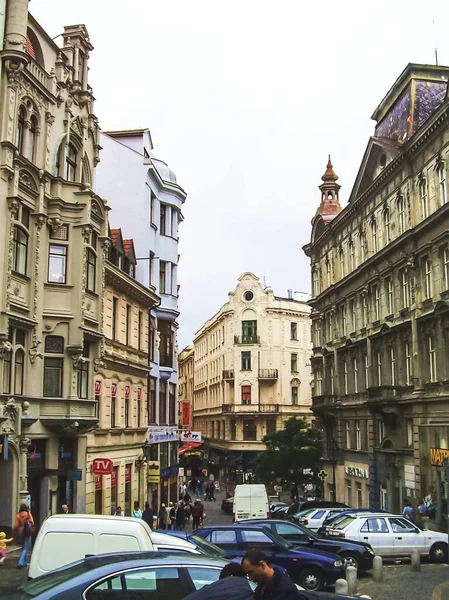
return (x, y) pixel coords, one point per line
(10, 576)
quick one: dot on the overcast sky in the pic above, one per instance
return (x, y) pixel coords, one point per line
(244, 100)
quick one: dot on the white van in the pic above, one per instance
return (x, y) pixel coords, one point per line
(250, 502)
(62, 539)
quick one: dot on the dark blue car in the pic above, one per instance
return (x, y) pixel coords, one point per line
(310, 568)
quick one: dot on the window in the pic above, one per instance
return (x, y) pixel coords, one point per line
(202, 576)
(446, 268)
(389, 291)
(401, 215)
(126, 412)
(343, 319)
(356, 377)
(152, 203)
(163, 220)
(249, 431)
(442, 183)
(328, 272)
(295, 395)
(392, 366)
(317, 333)
(345, 374)
(256, 539)
(374, 236)
(387, 225)
(331, 328)
(359, 495)
(20, 129)
(57, 264)
(113, 411)
(139, 330)
(381, 431)
(424, 199)
(405, 282)
(140, 583)
(319, 382)
(294, 329)
(271, 426)
(376, 302)
(20, 250)
(246, 361)
(294, 362)
(353, 315)
(342, 263)
(332, 379)
(233, 432)
(408, 364)
(246, 394)
(351, 256)
(375, 526)
(162, 276)
(349, 492)
(91, 269)
(163, 402)
(152, 400)
(128, 325)
(348, 434)
(379, 368)
(366, 372)
(223, 538)
(358, 436)
(427, 265)
(33, 138)
(402, 526)
(364, 311)
(70, 162)
(432, 359)
(19, 359)
(362, 247)
(315, 282)
(249, 332)
(53, 369)
(409, 431)
(114, 317)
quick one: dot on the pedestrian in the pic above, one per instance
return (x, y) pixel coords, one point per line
(197, 513)
(271, 583)
(172, 514)
(182, 490)
(119, 512)
(423, 514)
(212, 491)
(3, 542)
(137, 512)
(199, 489)
(148, 515)
(232, 583)
(408, 511)
(162, 517)
(294, 493)
(180, 518)
(65, 509)
(187, 499)
(23, 529)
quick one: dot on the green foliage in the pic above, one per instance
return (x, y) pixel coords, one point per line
(298, 446)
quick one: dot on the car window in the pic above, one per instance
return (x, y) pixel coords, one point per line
(318, 515)
(342, 523)
(202, 576)
(205, 547)
(139, 584)
(224, 537)
(285, 529)
(256, 539)
(375, 526)
(305, 513)
(48, 581)
(402, 526)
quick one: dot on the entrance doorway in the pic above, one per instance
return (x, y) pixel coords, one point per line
(10, 497)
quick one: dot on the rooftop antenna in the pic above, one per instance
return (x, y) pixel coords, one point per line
(435, 38)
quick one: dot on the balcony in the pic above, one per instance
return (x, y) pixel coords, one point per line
(240, 340)
(268, 374)
(228, 375)
(249, 408)
(319, 402)
(166, 360)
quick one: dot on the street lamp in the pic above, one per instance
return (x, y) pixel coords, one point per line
(333, 451)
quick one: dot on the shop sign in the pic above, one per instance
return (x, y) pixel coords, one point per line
(127, 391)
(169, 472)
(154, 471)
(356, 472)
(3, 447)
(181, 471)
(190, 436)
(97, 388)
(193, 453)
(102, 466)
(114, 477)
(185, 412)
(98, 482)
(113, 390)
(128, 473)
(157, 435)
(75, 475)
(437, 456)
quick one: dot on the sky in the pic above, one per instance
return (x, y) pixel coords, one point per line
(245, 100)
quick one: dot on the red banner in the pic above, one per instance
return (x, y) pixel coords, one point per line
(185, 414)
(139, 393)
(127, 390)
(97, 388)
(128, 473)
(114, 477)
(98, 482)
(113, 390)
(102, 466)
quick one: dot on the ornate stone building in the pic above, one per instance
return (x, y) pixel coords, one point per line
(53, 229)
(252, 372)
(380, 310)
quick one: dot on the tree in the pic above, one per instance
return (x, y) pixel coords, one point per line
(289, 451)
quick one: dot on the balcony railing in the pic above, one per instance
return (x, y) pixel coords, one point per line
(268, 374)
(228, 374)
(324, 400)
(247, 339)
(250, 408)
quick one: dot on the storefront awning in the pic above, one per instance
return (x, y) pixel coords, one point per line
(188, 446)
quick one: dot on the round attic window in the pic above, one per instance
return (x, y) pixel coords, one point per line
(248, 296)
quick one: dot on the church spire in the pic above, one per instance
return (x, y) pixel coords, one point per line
(330, 204)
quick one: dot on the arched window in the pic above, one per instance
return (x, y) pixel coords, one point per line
(20, 128)
(387, 225)
(33, 138)
(424, 199)
(351, 256)
(18, 371)
(442, 183)
(401, 214)
(91, 270)
(374, 235)
(70, 162)
(19, 250)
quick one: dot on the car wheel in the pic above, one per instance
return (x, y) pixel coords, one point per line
(311, 579)
(350, 559)
(438, 552)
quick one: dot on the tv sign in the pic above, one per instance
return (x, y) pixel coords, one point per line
(102, 466)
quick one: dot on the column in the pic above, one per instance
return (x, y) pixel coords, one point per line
(23, 475)
(51, 462)
(417, 375)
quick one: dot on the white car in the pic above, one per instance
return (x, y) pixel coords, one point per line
(170, 543)
(392, 535)
(313, 518)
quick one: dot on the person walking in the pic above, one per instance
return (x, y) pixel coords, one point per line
(197, 513)
(148, 515)
(271, 583)
(172, 514)
(212, 491)
(23, 529)
(162, 517)
(408, 511)
(119, 512)
(180, 518)
(3, 542)
(137, 512)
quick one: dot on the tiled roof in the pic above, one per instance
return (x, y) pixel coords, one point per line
(114, 235)
(29, 48)
(127, 244)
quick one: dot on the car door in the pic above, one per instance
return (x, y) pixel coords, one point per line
(291, 533)
(406, 536)
(252, 538)
(226, 539)
(375, 531)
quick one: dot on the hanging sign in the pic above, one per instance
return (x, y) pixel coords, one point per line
(102, 466)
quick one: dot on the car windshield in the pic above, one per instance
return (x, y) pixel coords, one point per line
(304, 513)
(206, 547)
(343, 522)
(50, 580)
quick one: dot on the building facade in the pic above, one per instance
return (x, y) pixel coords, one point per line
(186, 362)
(252, 372)
(147, 200)
(53, 231)
(121, 386)
(380, 287)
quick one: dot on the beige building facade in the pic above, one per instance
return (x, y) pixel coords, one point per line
(380, 312)
(252, 372)
(53, 231)
(186, 378)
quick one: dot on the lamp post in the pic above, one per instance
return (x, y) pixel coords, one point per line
(333, 451)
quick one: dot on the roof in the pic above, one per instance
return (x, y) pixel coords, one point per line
(29, 48)
(126, 132)
(115, 234)
(127, 246)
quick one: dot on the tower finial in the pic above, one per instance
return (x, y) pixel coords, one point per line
(330, 174)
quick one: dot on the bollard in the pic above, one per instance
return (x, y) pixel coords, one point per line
(341, 586)
(351, 578)
(378, 573)
(416, 560)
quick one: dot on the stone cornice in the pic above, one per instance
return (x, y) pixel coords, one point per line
(129, 286)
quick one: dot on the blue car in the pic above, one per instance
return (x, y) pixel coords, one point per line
(310, 568)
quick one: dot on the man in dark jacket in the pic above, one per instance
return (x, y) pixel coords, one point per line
(180, 519)
(148, 515)
(271, 584)
(232, 584)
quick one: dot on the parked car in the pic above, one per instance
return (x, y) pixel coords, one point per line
(280, 512)
(333, 518)
(313, 518)
(308, 567)
(297, 507)
(355, 554)
(202, 546)
(227, 505)
(392, 535)
(275, 506)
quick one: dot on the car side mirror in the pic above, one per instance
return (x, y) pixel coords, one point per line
(311, 540)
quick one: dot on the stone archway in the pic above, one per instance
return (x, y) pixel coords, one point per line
(9, 477)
